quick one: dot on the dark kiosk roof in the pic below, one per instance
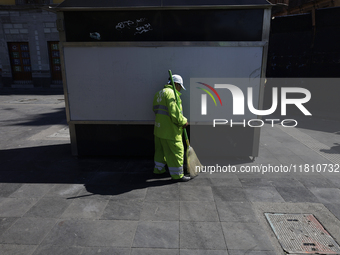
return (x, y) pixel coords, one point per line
(157, 3)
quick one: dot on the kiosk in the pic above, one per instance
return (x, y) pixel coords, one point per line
(116, 55)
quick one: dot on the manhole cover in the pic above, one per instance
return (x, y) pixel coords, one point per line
(302, 234)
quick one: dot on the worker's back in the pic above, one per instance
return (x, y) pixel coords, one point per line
(169, 117)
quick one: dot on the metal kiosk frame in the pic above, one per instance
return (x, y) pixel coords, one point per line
(97, 125)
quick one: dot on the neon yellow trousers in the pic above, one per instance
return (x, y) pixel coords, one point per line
(171, 153)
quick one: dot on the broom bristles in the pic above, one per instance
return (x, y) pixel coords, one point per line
(194, 165)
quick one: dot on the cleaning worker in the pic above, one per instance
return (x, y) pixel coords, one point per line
(168, 130)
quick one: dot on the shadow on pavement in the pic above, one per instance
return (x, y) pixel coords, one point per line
(43, 119)
(331, 151)
(117, 189)
(100, 175)
(31, 91)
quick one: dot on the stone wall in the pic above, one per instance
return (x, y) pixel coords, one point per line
(32, 25)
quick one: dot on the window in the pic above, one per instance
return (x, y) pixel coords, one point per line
(55, 62)
(20, 61)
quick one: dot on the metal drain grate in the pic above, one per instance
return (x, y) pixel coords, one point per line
(302, 234)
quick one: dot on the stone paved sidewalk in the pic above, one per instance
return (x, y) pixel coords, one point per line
(54, 203)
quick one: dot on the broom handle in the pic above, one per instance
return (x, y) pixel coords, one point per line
(177, 102)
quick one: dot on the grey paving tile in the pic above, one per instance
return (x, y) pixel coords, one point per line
(163, 193)
(242, 175)
(335, 180)
(264, 194)
(106, 251)
(197, 181)
(296, 195)
(48, 208)
(255, 182)
(250, 252)
(105, 178)
(286, 160)
(15, 207)
(98, 192)
(196, 193)
(229, 194)
(236, 211)
(315, 181)
(7, 189)
(84, 209)
(198, 211)
(13, 249)
(245, 236)
(226, 182)
(327, 195)
(145, 251)
(298, 148)
(89, 233)
(27, 231)
(264, 151)
(123, 210)
(286, 139)
(126, 192)
(278, 150)
(204, 175)
(136, 178)
(268, 160)
(155, 181)
(6, 223)
(203, 252)
(222, 176)
(285, 182)
(201, 235)
(160, 210)
(32, 190)
(80, 165)
(157, 234)
(334, 208)
(328, 134)
(314, 158)
(116, 165)
(64, 190)
(57, 250)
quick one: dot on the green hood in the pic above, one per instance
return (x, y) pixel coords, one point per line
(170, 87)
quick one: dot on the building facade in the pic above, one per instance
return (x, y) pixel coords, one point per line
(290, 7)
(29, 44)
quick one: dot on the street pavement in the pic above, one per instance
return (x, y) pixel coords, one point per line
(54, 203)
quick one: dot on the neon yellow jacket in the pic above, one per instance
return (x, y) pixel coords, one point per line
(169, 117)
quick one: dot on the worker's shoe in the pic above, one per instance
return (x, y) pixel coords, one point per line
(183, 179)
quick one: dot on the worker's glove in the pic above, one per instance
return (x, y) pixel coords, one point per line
(186, 124)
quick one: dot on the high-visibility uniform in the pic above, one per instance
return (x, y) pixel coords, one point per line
(168, 132)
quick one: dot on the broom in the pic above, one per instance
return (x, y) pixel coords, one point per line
(193, 163)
